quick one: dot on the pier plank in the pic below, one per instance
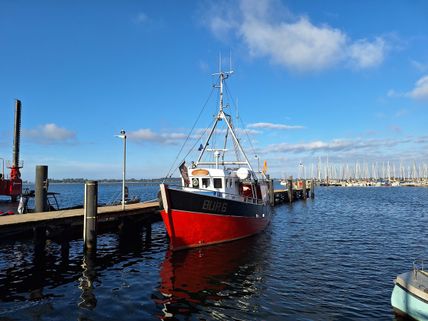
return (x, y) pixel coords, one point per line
(105, 213)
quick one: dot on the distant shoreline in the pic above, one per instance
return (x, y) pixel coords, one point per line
(108, 181)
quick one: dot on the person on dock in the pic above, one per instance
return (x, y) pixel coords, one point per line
(23, 204)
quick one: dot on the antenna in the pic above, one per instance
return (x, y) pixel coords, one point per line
(219, 62)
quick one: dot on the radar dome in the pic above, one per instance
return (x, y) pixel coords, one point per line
(243, 173)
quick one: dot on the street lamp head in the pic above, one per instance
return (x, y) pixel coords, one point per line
(122, 132)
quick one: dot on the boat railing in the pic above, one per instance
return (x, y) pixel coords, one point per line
(418, 267)
(221, 194)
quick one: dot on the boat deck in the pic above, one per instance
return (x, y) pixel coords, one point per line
(415, 282)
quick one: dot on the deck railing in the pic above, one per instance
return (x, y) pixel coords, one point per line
(418, 267)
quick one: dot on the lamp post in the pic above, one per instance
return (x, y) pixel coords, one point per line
(123, 136)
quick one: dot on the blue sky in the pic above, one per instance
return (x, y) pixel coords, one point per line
(343, 79)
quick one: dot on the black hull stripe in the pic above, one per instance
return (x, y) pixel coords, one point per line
(206, 204)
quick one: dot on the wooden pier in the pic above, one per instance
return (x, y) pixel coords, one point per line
(282, 195)
(24, 223)
(296, 190)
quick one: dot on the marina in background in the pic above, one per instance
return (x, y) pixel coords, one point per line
(363, 173)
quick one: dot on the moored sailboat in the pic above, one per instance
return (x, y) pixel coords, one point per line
(219, 200)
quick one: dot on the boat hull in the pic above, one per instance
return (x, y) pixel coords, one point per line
(409, 296)
(193, 220)
(405, 303)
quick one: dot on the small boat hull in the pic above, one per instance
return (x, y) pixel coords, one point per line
(194, 220)
(408, 300)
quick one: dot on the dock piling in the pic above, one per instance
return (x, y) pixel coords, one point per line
(271, 190)
(90, 215)
(89, 274)
(312, 188)
(41, 189)
(271, 193)
(304, 191)
(290, 189)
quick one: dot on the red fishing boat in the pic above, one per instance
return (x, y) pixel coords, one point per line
(220, 198)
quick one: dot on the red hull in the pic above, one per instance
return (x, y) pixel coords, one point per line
(190, 229)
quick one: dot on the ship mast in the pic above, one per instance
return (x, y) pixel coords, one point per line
(222, 116)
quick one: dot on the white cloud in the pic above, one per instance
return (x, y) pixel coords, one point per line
(269, 30)
(221, 26)
(365, 54)
(274, 126)
(336, 145)
(420, 66)
(50, 134)
(392, 93)
(420, 91)
(299, 45)
(239, 131)
(147, 135)
(402, 112)
(140, 18)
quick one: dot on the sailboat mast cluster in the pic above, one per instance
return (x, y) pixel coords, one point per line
(364, 173)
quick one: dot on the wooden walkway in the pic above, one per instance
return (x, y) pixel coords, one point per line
(12, 224)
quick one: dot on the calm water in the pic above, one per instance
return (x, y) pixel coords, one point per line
(333, 258)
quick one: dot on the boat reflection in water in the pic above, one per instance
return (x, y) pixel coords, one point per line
(213, 276)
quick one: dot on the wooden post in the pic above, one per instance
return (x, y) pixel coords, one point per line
(90, 215)
(41, 188)
(41, 204)
(312, 188)
(304, 193)
(290, 189)
(39, 237)
(271, 191)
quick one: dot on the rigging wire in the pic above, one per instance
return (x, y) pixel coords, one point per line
(240, 118)
(188, 136)
(197, 140)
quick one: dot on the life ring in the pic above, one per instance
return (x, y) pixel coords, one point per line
(195, 182)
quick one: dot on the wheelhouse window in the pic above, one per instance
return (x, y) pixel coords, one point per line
(217, 183)
(205, 182)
